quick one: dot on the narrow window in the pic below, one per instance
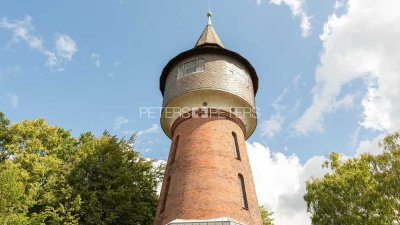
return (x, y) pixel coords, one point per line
(174, 149)
(235, 146)
(243, 192)
(165, 195)
(201, 65)
(237, 72)
(180, 72)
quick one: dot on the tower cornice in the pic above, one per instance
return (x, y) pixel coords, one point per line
(209, 113)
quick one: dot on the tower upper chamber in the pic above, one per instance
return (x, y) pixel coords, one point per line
(209, 76)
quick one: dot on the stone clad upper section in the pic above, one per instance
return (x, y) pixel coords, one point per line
(209, 36)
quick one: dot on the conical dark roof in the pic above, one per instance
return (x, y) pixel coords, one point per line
(209, 36)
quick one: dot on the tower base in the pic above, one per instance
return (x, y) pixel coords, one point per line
(217, 221)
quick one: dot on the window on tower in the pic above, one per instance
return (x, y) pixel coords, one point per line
(164, 202)
(243, 192)
(174, 149)
(235, 146)
(237, 72)
(197, 65)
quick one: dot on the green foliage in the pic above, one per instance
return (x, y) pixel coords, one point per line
(4, 123)
(13, 202)
(364, 190)
(266, 216)
(115, 184)
(49, 177)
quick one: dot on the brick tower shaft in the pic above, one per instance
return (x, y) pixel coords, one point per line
(208, 173)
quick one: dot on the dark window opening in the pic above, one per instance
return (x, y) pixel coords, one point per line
(243, 192)
(236, 146)
(174, 149)
(164, 203)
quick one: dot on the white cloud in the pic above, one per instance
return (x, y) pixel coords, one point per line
(14, 100)
(370, 146)
(96, 58)
(345, 102)
(297, 9)
(65, 46)
(272, 126)
(280, 183)
(23, 30)
(156, 165)
(338, 4)
(357, 45)
(153, 129)
(354, 137)
(119, 122)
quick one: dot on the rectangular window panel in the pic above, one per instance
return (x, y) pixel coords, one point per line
(201, 65)
(197, 65)
(190, 67)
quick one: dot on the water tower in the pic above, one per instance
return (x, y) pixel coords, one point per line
(209, 112)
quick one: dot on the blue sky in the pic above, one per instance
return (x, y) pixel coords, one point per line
(133, 40)
(327, 71)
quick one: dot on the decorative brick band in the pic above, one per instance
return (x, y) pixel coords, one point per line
(208, 113)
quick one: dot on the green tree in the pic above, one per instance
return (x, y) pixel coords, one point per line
(49, 177)
(266, 216)
(115, 184)
(13, 202)
(4, 123)
(45, 154)
(364, 190)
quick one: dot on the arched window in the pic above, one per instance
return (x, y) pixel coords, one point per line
(235, 146)
(164, 202)
(174, 149)
(243, 192)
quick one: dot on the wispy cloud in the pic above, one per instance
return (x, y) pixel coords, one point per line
(153, 129)
(96, 59)
(338, 4)
(272, 126)
(23, 30)
(65, 46)
(119, 122)
(14, 100)
(297, 9)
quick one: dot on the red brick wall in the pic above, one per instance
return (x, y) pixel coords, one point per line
(204, 181)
